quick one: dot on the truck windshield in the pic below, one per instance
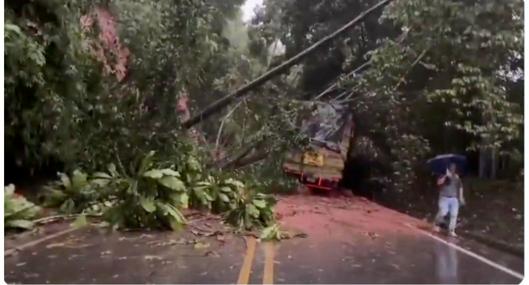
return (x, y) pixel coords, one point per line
(325, 125)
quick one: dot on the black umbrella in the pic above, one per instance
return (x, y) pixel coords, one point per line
(440, 163)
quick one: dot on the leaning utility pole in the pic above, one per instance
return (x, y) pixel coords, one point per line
(226, 100)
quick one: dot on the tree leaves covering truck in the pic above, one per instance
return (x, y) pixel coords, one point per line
(320, 165)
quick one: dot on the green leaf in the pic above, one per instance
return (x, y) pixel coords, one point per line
(201, 245)
(172, 183)
(203, 184)
(101, 175)
(112, 170)
(202, 195)
(223, 197)
(79, 179)
(226, 189)
(252, 210)
(176, 219)
(170, 172)
(80, 222)
(65, 180)
(176, 225)
(180, 199)
(234, 182)
(270, 233)
(54, 198)
(68, 206)
(208, 197)
(101, 182)
(146, 162)
(20, 224)
(9, 189)
(12, 28)
(153, 173)
(184, 200)
(148, 204)
(193, 164)
(259, 203)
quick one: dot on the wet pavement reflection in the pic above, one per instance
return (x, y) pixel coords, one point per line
(446, 263)
(406, 260)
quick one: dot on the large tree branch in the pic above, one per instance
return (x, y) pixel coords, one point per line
(250, 160)
(241, 154)
(223, 102)
(217, 141)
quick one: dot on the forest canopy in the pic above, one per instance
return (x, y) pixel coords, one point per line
(88, 83)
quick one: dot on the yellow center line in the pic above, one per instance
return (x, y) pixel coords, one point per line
(268, 275)
(244, 274)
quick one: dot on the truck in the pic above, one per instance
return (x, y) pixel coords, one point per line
(320, 166)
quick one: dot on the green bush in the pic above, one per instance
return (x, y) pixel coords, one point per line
(148, 196)
(152, 193)
(71, 194)
(242, 206)
(254, 210)
(18, 212)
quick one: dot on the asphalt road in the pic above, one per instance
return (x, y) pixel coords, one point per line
(353, 242)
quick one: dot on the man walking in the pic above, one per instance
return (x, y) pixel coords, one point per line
(450, 197)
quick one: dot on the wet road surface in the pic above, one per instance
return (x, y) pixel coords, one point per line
(347, 242)
(392, 260)
(94, 255)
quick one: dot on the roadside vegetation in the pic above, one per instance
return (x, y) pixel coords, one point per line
(103, 93)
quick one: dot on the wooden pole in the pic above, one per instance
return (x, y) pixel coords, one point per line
(223, 102)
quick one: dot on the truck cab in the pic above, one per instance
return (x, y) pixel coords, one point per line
(320, 165)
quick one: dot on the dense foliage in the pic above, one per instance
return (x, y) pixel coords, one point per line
(18, 212)
(151, 194)
(70, 194)
(87, 81)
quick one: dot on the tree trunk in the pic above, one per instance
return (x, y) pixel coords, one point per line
(493, 162)
(482, 163)
(249, 160)
(223, 102)
(227, 162)
(488, 163)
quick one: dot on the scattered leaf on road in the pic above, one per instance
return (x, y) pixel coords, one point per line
(212, 253)
(80, 222)
(152, 257)
(58, 244)
(201, 245)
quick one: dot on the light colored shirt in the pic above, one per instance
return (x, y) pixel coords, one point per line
(451, 187)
